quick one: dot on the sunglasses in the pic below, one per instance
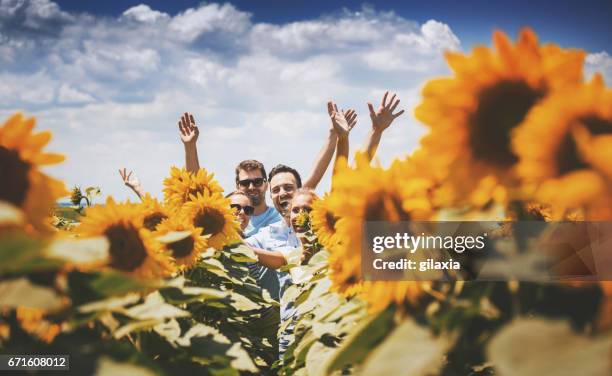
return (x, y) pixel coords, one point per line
(257, 182)
(248, 210)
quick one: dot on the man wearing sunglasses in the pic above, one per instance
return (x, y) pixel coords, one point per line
(251, 180)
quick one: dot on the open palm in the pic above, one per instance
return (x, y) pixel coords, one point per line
(383, 118)
(342, 121)
(188, 128)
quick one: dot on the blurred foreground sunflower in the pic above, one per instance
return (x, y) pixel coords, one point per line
(32, 321)
(182, 240)
(565, 149)
(356, 199)
(23, 184)
(133, 249)
(381, 294)
(211, 212)
(472, 114)
(182, 186)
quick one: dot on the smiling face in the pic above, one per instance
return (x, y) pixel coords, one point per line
(242, 200)
(256, 194)
(282, 188)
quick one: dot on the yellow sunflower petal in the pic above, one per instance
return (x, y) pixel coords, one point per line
(471, 115)
(133, 249)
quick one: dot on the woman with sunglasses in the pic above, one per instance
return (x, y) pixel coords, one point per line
(241, 205)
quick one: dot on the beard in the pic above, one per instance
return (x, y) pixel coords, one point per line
(255, 199)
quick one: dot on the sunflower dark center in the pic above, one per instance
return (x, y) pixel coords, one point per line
(211, 220)
(501, 108)
(376, 210)
(127, 250)
(151, 221)
(351, 280)
(568, 158)
(596, 125)
(330, 221)
(182, 247)
(14, 177)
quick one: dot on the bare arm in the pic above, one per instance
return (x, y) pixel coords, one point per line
(322, 161)
(270, 259)
(324, 157)
(132, 182)
(189, 136)
(348, 120)
(343, 123)
(381, 120)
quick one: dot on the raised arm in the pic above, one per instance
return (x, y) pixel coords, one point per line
(327, 151)
(343, 122)
(381, 120)
(189, 136)
(323, 158)
(132, 182)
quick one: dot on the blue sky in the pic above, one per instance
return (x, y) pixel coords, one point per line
(111, 79)
(569, 22)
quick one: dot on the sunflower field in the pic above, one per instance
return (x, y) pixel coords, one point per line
(163, 287)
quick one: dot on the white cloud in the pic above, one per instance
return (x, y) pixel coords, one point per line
(144, 13)
(600, 62)
(34, 16)
(68, 94)
(112, 89)
(22, 90)
(208, 18)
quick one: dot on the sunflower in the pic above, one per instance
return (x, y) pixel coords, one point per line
(182, 186)
(472, 114)
(565, 148)
(212, 213)
(381, 294)
(324, 222)
(133, 250)
(32, 321)
(364, 194)
(23, 184)
(153, 212)
(186, 250)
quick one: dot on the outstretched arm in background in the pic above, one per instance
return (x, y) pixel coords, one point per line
(343, 122)
(132, 182)
(326, 153)
(381, 120)
(189, 136)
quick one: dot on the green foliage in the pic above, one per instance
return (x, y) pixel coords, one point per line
(322, 320)
(203, 321)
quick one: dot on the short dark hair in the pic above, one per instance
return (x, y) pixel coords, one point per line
(282, 168)
(250, 165)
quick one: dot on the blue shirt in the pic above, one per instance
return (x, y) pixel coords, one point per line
(275, 237)
(257, 222)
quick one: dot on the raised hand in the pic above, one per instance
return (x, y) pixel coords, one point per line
(342, 121)
(131, 181)
(188, 128)
(383, 118)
